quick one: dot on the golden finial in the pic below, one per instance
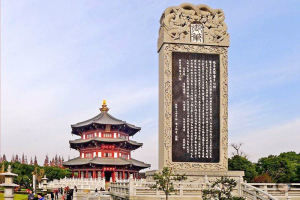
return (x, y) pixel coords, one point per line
(104, 107)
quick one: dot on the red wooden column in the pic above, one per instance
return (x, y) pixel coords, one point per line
(113, 176)
(102, 173)
(123, 174)
(87, 174)
(94, 174)
(79, 174)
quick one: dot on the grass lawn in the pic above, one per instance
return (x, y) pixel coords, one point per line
(17, 196)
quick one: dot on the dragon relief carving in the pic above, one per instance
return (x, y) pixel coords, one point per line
(176, 24)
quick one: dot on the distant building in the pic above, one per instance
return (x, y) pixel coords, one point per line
(105, 148)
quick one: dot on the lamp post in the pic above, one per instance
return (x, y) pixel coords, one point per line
(8, 184)
(44, 180)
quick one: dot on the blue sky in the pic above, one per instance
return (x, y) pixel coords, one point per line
(60, 59)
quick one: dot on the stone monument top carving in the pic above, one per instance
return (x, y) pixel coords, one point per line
(191, 24)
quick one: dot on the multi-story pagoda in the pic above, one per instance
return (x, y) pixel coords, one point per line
(105, 148)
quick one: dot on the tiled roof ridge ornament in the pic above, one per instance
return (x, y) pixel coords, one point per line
(104, 107)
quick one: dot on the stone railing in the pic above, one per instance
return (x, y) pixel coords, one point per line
(124, 189)
(251, 192)
(80, 183)
(280, 190)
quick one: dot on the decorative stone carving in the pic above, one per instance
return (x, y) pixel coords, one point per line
(177, 21)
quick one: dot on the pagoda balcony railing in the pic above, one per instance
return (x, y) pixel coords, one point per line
(80, 183)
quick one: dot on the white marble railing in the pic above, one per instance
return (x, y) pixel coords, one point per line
(127, 188)
(141, 187)
(280, 189)
(80, 183)
(251, 192)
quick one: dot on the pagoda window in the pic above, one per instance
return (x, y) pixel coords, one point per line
(94, 154)
(115, 135)
(83, 136)
(115, 155)
(107, 128)
(88, 155)
(95, 134)
(125, 156)
(100, 134)
(107, 154)
(91, 135)
(99, 154)
(107, 135)
(82, 155)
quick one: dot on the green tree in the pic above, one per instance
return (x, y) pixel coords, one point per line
(164, 181)
(56, 172)
(222, 190)
(243, 164)
(294, 159)
(280, 169)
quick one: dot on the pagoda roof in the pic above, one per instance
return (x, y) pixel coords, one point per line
(106, 161)
(106, 140)
(104, 118)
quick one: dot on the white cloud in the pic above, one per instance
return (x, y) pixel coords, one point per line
(272, 140)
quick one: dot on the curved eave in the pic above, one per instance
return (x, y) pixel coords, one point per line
(76, 129)
(104, 118)
(106, 161)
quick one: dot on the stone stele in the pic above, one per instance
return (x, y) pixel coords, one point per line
(195, 29)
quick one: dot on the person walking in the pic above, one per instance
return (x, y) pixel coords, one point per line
(75, 188)
(30, 195)
(69, 197)
(52, 196)
(56, 194)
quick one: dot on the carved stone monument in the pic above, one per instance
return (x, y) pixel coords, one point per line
(193, 91)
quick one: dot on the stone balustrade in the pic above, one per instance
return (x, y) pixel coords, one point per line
(80, 183)
(133, 188)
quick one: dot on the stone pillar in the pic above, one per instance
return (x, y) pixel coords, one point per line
(34, 183)
(131, 186)
(240, 186)
(8, 185)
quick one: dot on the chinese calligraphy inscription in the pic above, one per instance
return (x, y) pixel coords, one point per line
(195, 107)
